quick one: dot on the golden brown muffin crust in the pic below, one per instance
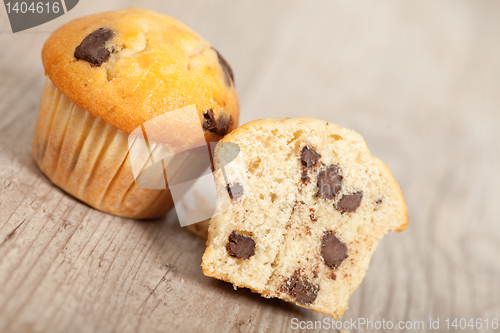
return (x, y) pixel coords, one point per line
(156, 65)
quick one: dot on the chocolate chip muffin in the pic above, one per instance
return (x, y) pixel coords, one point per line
(300, 212)
(121, 83)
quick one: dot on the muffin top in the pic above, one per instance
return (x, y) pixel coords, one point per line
(132, 66)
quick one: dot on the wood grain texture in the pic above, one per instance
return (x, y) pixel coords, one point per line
(419, 80)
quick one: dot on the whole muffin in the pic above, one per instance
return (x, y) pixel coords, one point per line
(118, 81)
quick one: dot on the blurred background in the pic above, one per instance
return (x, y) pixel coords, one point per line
(419, 80)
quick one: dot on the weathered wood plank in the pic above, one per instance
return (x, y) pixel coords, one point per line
(420, 81)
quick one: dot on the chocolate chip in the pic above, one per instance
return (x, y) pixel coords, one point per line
(218, 126)
(228, 72)
(378, 201)
(332, 250)
(93, 47)
(304, 177)
(329, 182)
(303, 291)
(209, 121)
(313, 217)
(349, 203)
(240, 246)
(223, 125)
(235, 191)
(309, 157)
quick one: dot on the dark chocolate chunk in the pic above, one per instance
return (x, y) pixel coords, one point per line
(313, 217)
(209, 121)
(93, 47)
(218, 126)
(304, 177)
(228, 72)
(332, 250)
(240, 246)
(303, 291)
(223, 124)
(309, 157)
(329, 182)
(235, 191)
(349, 203)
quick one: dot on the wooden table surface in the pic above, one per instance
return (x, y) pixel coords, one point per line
(420, 80)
